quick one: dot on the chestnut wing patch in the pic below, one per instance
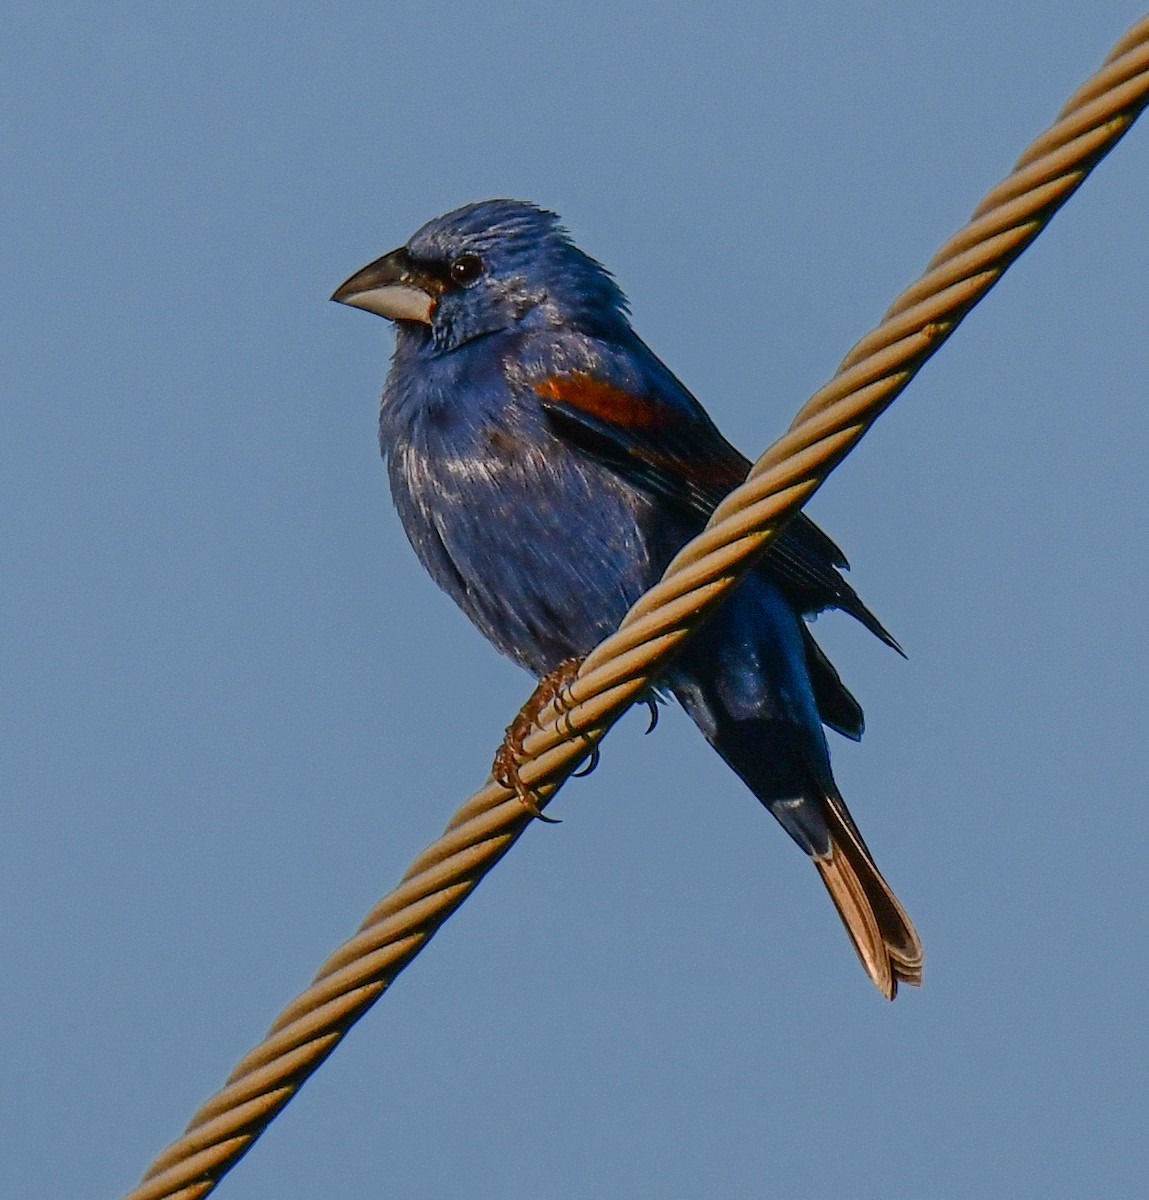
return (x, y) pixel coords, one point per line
(602, 401)
(650, 442)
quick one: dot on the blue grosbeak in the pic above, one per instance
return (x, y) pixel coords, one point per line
(546, 466)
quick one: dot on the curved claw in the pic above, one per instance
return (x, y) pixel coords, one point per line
(505, 770)
(511, 781)
(589, 766)
(652, 705)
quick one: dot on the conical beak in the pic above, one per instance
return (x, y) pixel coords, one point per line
(391, 287)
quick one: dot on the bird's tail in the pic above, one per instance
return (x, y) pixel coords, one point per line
(883, 935)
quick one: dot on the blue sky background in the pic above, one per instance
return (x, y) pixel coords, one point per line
(233, 708)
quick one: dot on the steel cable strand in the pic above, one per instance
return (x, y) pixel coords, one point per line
(621, 669)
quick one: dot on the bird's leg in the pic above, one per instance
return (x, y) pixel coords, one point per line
(505, 769)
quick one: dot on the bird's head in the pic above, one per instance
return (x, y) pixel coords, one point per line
(489, 267)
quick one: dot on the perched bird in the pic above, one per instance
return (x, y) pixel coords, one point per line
(546, 467)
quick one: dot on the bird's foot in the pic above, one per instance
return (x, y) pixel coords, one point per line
(505, 769)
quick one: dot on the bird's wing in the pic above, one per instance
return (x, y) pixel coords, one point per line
(671, 448)
(650, 442)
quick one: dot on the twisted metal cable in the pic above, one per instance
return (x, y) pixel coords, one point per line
(621, 670)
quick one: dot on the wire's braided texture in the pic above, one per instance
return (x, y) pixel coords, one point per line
(620, 670)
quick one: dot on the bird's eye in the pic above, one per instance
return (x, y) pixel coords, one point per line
(466, 267)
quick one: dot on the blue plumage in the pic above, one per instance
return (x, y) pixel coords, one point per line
(546, 466)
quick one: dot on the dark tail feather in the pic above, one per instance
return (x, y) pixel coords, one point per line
(850, 602)
(883, 935)
(802, 563)
(836, 706)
